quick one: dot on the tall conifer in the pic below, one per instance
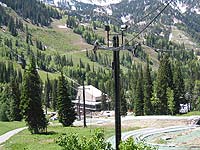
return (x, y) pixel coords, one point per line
(15, 112)
(66, 112)
(31, 104)
(179, 88)
(148, 90)
(164, 80)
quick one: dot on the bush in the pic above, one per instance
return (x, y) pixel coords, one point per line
(130, 144)
(97, 142)
(4, 112)
(73, 142)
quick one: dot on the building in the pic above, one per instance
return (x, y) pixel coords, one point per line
(93, 98)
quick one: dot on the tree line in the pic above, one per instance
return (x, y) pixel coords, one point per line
(25, 100)
(36, 11)
(88, 33)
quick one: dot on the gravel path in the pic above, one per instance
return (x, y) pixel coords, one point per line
(6, 136)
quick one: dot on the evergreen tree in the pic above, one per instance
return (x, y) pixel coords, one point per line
(139, 97)
(124, 108)
(47, 91)
(4, 104)
(15, 112)
(54, 94)
(170, 101)
(196, 96)
(31, 104)
(179, 88)
(148, 90)
(164, 80)
(66, 112)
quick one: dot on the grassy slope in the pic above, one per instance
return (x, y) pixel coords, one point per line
(25, 140)
(8, 126)
(63, 41)
(180, 37)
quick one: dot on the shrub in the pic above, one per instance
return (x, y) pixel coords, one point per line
(130, 144)
(74, 142)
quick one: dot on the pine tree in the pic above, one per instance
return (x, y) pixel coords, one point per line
(66, 112)
(15, 112)
(164, 80)
(31, 104)
(148, 90)
(47, 91)
(124, 108)
(179, 88)
(170, 101)
(54, 94)
(4, 104)
(196, 95)
(139, 97)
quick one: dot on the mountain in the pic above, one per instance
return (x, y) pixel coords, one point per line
(72, 2)
(181, 15)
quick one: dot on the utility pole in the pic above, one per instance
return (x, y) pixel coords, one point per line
(78, 108)
(84, 113)
(107, 29)
(117, 92)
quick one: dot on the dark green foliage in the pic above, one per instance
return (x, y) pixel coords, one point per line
(4, 103)
(38, 13)
(31, 104)
(179, 88)
(196, 96)
(9, 21)
(139, 52)
(4, 112)
(177, 51)
(124, 108)
(148, 90)
(12, 27)
(87, 33)
(15, 112)
(164, 81)
(39, 45)
(139, 96)
(66, 112)
(47, 92)
(7, 71)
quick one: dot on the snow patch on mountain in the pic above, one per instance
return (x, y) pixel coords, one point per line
(93, 2)
(2, 4)
(196, 10)
(103, 10)
(108, 10)
(181, 7)
(126, 18)
(100, 2)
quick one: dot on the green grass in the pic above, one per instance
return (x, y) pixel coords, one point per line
(8, 126)
(43, 75)
(192, 113)
(180, 37)
(28, 141)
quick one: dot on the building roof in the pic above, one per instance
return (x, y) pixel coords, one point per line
(91, 90)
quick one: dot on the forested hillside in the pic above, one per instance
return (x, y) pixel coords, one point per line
(34, 10)
(157, 75)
